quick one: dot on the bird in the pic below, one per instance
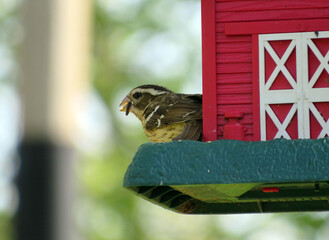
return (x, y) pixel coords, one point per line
(165, 115)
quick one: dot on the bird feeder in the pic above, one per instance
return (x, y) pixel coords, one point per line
(265, 116)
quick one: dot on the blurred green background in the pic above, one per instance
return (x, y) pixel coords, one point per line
(134, 42)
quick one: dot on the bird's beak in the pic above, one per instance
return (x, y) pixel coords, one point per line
(126, 104)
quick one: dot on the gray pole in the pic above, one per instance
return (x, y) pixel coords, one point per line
(54, 59)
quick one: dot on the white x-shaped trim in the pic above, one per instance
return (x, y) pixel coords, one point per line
(280, 64)
(323, 62)
(303, 96)
(324, 124)
(281, 126)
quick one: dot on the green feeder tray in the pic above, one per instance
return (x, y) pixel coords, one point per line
(229, 176)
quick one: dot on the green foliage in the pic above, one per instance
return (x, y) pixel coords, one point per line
(6, 226)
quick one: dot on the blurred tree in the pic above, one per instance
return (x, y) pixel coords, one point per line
(6, 227)
(10, 37)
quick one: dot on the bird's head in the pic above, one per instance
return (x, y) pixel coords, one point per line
(139, 98)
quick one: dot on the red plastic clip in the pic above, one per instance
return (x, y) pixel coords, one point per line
(270, 189)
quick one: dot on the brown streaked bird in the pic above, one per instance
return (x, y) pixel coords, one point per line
(165, 115)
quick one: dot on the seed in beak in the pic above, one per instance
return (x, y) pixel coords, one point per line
(128, 105)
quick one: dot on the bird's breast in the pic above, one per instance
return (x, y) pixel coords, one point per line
(166, 133)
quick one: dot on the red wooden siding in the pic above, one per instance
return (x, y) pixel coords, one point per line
(234, 53)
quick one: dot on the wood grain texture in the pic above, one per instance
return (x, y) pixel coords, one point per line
(234, 78)
(222, 38)
(240, 88)
(234, 67)
(263, 27)
(244, 108)
(234, 99)
(219, 27)
(233, 58)
(290, 14)
(235, 47)
(255, 92)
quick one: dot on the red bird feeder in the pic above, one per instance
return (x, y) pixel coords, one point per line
(269, 61)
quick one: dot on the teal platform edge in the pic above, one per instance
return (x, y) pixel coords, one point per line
(230, 176)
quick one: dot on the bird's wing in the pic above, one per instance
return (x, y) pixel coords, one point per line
(192, 131)
(172, 109)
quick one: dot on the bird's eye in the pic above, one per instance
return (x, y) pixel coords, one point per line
(137, 95)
